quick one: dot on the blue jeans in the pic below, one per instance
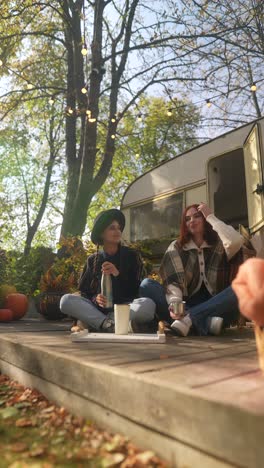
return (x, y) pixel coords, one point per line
(142, 310)
(200, 306)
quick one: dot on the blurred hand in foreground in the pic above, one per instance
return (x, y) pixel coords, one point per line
(249, 289)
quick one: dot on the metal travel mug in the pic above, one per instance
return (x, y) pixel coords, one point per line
(177, 307)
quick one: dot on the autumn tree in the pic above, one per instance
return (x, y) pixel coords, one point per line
(161, 130)
(99, 57)
(126, 56)
(226, 40)
(29, 153)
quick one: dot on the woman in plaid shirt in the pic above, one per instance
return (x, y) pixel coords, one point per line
(198, 268)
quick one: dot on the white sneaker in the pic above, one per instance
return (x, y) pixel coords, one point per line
(182, 327)
(215, 325)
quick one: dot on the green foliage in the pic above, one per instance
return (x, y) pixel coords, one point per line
(151, 252)
(168, 128)
(3, 265)
(25, 272)
(27, 156)
(143, 145)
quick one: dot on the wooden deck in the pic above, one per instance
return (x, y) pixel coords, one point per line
(196, 401)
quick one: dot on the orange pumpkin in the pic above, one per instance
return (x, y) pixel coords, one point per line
(6, 315)
(18, 303)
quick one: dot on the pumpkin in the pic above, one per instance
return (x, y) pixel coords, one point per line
(18, 303)
(6, 315)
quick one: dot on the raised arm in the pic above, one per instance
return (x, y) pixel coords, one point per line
(232, 240)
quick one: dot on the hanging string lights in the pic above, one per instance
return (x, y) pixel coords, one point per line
(253, 86)
(84, 90)
(100, 71)
(84, 50)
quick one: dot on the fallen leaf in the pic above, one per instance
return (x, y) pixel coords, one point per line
(25, 422)
(50, 409)
(145, 457)
(84, 454)
(164, 356)
(115, 443)
(19, 447)
(3, 378)
(57, 441)
(95, 443)
(112, 460)
(37, 452)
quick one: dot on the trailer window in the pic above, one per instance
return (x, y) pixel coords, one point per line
(227, 188)
(157, 219)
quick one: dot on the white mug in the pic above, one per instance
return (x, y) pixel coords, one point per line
(122, 315)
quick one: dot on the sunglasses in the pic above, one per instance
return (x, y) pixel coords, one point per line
(194, 216)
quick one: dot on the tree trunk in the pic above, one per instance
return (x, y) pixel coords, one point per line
(81, 166)
(32, 228)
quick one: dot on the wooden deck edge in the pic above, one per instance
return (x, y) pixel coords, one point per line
(181, 427)
(176, 453)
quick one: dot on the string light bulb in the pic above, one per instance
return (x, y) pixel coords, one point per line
(113, 137)
(84, 90)
(169, 113)
(139, 117)
(113, 119)
(70, 110)
(88, 112)
(253, 87)
(51, 100)
(84, 50)
(208, 103)
(92, 119)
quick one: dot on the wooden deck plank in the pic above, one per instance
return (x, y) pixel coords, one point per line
(140, 358)
(183, 359)
(201, 404)
(204, 373)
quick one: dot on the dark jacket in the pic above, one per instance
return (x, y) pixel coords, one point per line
(125, 285)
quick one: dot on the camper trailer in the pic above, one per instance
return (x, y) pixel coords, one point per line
(226, 172)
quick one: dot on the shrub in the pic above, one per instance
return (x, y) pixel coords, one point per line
(25, 272)
(63, 275)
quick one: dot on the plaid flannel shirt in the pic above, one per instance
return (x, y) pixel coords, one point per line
(181, 267)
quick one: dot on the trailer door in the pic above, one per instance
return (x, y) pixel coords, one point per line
(254, 180)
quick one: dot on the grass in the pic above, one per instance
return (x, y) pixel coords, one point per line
(35, 433)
